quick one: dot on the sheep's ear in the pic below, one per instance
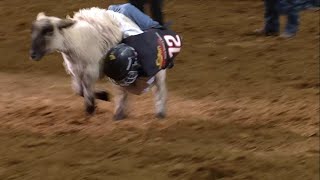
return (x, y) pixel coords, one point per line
(41, 15)
(65, 23)
(68, 17)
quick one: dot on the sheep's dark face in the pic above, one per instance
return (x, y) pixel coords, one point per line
(42, 34)
(47, 36)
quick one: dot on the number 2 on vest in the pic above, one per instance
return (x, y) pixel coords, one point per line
(174, 44)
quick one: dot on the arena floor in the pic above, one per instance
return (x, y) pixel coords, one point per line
(240, 106)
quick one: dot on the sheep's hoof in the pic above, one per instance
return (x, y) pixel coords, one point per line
(161, 115)
(120, 116)
(90, 110)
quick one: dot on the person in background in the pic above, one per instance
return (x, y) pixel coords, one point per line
(275, 8)
(308, 5)
(316, 3)
(155, 7)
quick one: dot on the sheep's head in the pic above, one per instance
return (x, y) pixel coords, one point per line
(46, 35)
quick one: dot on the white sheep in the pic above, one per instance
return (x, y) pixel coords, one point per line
(83, 40)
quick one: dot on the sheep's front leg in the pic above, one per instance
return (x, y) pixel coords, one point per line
(77, 85)
(160, 93)
(120, 100)
(88, 93)
(78, 88)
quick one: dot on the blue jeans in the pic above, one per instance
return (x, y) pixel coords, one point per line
(273, 9)
(305, 4)
(271, 15)
(141, 19)
(155, 7)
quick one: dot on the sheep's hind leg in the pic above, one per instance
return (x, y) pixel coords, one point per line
(120, 98)
(160, 93)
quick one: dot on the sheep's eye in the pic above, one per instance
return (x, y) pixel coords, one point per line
(48, 31)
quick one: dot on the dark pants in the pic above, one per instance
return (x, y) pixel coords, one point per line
(156, 8)
(271, 15)
(273, 9)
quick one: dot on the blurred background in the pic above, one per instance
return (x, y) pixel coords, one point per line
(240, 106)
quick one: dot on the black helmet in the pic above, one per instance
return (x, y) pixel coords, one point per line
(121, 65)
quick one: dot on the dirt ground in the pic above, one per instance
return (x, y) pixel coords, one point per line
(240, 106)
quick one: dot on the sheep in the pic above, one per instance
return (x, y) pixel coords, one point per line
(83, 40)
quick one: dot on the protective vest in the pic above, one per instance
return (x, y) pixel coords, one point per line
(156, 49)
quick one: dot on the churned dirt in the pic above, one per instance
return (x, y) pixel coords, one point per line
(240, 106)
